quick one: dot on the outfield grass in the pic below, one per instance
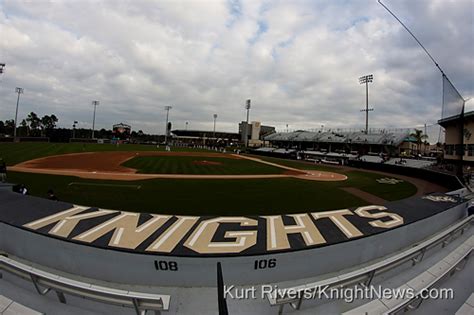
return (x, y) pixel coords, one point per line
(368, 182)
(194, 197)
(304, 165)
(199, 165)
(14, 153)
(365, 181)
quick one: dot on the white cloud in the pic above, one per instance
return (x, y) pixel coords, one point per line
(299, 61)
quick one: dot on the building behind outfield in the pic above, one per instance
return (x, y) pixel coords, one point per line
(255, 134)
(453, 126)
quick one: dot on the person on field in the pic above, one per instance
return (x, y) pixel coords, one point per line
(3, 171)
(52, 196)
(24, 190)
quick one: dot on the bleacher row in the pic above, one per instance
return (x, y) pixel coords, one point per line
(328, 157)
(45, 281)
(415, 163)
(10, 307)
(381, 138)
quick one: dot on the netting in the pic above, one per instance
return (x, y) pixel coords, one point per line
(453, 103)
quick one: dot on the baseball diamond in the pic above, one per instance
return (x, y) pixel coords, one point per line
(155, 181)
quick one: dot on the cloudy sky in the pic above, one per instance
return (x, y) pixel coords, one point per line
(298, 61)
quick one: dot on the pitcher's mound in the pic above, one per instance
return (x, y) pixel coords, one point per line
(322, 176)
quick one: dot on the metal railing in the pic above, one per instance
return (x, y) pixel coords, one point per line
(294, 296)
(45, 281)
(415, 302)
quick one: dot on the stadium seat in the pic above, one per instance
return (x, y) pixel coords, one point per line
(468, 307)
(9, 307)
(46, 281)
(423, 281)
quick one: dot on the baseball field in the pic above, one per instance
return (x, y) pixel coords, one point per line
(194, 182)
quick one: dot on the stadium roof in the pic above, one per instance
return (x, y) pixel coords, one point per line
(205, 133)
(448, 120)
(382, 138)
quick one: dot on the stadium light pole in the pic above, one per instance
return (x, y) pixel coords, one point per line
(214, 132)
(18, 90)
(366, 79)
(186, 126)
(74, 129)
(95, 104)
(167, 109)
(2, 66)
(246, 133)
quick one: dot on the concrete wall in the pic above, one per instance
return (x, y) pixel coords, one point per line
(131, 268)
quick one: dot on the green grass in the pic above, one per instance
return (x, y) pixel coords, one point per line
(368, 182)
(192, 165)
(14, 153)
(198, 197)
(194, 197)
(365, 181)
(303, 165)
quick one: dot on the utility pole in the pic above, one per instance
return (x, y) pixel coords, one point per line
(18, 90)
(214, 133)
(366, 79)
(424, 151)
(167, 109)
(95, 104)
(246, 133)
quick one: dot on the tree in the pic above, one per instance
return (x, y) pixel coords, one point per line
(34, 121)
(24, 127)
(419, 137)
(9, 126)
(48, 123)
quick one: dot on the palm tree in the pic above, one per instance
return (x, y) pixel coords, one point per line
(419, 137)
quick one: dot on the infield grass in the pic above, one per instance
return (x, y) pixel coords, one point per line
(199, 165)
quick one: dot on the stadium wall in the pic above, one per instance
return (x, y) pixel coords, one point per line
(149, 269)
(446, 180)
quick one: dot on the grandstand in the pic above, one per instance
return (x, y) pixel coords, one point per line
(339, 142)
